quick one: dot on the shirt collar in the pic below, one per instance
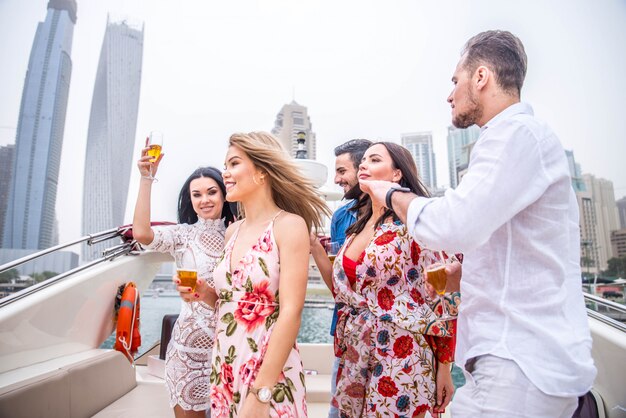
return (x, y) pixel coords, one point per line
(510, 111)
(208, 223)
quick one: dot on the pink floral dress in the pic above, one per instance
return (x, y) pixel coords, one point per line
(248, 310)
(388, 334)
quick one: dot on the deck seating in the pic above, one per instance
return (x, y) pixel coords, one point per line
(65, 387)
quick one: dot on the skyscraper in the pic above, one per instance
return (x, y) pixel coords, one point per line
(420, 144)
(112, 126)
(292, 119)
(458, 139)
(30, 216)
(6, 167)
(575, 172)
(607, 220)
(621, 209)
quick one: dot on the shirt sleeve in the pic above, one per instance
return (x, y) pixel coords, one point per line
(444, 347)
(506, 175)
(395, 254)
(167, 238)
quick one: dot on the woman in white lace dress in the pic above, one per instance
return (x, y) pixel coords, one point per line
(201, 216)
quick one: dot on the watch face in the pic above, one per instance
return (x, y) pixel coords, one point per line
(265, 394)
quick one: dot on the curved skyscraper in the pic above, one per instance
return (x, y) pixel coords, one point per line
(30, 214)
(112, 126)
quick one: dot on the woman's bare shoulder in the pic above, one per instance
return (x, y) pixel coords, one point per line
(231, 229)
(290, 225)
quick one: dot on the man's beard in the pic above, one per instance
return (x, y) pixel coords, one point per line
(472, 115)
(353, 193)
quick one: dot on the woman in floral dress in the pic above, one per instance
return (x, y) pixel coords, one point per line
(261, 282)
(395, 352)
(201, 216)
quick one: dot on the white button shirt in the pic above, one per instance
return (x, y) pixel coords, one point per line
(515, 217)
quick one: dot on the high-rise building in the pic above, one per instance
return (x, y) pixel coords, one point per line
(603, 199)
(6, 168)
(30, 216)
(458, 140)
(621, 210)
(618, 240)
(575, 172)
(292, 119)
(589, 257)
(112, 128)
(420, 144)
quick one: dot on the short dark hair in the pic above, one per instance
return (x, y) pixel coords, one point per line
(186, 214)
(356, 148)
(503, 52)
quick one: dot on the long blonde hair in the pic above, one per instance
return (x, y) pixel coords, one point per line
(291, 191)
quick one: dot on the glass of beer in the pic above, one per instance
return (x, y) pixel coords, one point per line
(186, 268)
(155, 145)
(332, 248)
(437, 277)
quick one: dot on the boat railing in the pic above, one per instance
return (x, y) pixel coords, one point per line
(606, 311)
(108, 254)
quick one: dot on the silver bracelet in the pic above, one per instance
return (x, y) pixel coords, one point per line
(148, 178)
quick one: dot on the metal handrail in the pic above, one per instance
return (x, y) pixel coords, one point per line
(617, 306)
(602, 317)
(109, 254)
(91, 239)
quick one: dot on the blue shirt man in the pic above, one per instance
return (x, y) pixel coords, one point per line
(342, 219)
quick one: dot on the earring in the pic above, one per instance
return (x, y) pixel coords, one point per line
(256, 181)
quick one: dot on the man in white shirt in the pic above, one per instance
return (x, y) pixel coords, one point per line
(523, 337)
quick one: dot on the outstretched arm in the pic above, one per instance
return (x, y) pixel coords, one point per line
(142, 231)
(508, 172)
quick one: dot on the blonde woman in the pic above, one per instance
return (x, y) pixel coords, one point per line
(257, 371)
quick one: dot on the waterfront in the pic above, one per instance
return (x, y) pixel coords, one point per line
(314, 329)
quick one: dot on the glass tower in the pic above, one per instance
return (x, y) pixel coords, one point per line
(420, 144)
(112, 128)
(30, 214)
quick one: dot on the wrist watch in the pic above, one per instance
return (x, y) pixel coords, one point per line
(391, 192)
(263, 394)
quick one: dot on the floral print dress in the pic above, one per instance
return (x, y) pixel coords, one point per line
(188, 357)
(248, 310)
(388, 334)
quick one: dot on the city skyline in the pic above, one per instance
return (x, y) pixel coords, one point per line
(112, 129)
(203, 81)
(30, 219)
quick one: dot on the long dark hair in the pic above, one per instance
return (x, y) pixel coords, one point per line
(401, 160)
(186, 214)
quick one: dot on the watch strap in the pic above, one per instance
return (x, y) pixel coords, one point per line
(391, 191)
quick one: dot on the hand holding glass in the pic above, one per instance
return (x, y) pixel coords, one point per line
(438, 278)
(155, 145)
(332, 248)
(186, 268)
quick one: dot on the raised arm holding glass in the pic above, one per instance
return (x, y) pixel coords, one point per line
(196, 242)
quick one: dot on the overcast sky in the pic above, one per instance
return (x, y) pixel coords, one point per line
(371, 69)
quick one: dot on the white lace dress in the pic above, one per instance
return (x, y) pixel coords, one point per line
(188, 359)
